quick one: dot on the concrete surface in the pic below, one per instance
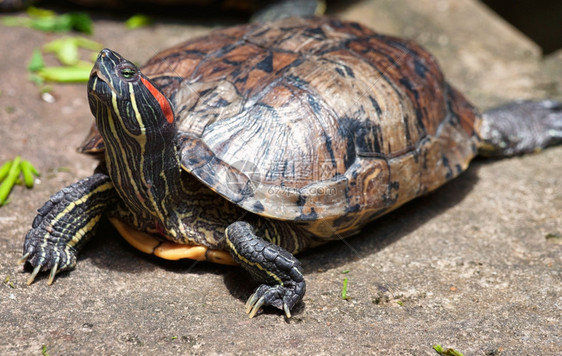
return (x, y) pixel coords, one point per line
(467, 267)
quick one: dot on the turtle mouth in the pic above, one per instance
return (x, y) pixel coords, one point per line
(98, 80)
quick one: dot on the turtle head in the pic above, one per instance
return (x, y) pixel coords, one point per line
(136, 122)
(122, 98)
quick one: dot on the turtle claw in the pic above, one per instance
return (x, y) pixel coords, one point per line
(53, 273)
(47, 257)
(279, 270)
(279, 296)
(23, 258)
(54, 270)
(287, 310)
(254, 304)
(253, 308)
(33, 274)
(251, 302)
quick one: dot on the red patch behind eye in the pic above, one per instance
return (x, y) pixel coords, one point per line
(162, 100)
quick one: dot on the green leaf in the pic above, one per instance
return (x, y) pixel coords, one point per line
(36, 79)
(9, 282)
(447, 352)
(29, 172)
(65, 49)
(344, 295)
(36, 61)
(81, 22)
(62, 23)
(74, 74)
(44, 350)
(55, 45)
(10, 181)
(4, 170)
(33, 11)
(48, 21)
(138, 20)
(86, 43)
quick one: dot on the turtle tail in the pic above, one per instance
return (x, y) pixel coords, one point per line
(521, 127)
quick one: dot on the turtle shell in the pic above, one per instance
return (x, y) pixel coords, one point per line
(317, 120)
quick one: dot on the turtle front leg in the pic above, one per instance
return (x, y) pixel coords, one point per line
(279, 270)
(64, 223)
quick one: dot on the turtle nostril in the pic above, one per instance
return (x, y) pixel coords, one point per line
(104, 53)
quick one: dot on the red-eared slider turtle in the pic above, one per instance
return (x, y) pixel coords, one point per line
(263, 140)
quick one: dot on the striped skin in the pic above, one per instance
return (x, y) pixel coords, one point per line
(140, 153)
(278, 269)
(65, 222)
(141, 156)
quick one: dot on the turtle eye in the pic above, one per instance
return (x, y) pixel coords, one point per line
(128, 73)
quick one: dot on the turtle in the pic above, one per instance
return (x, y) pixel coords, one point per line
(256, 142)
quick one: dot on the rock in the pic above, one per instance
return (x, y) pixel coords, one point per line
(468, 267)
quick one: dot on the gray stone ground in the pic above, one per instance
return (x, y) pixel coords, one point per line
(468, 266)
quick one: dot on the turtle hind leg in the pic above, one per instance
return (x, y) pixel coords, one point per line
(521, 127)
(279, 270)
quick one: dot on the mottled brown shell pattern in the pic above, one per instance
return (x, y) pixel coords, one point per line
(317, 120)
